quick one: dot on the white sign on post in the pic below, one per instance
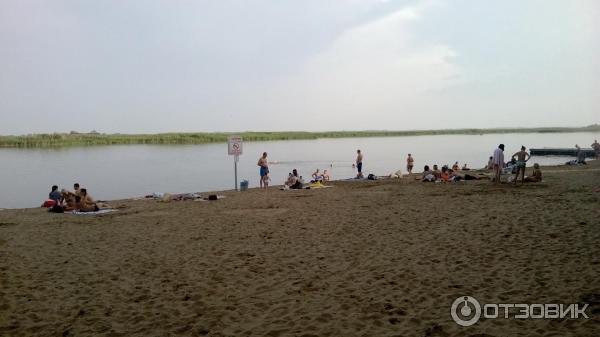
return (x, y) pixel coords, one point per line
(235, 145)
(234, 148)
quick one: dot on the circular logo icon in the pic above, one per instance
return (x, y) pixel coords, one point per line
(465, 311)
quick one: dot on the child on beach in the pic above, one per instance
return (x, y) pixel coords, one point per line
(536, 176)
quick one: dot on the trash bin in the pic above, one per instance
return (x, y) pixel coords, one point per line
(243, 185)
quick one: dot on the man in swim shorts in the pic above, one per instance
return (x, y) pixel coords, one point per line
(409, 163)
(522, 158)
(359, 159)
(264, 171)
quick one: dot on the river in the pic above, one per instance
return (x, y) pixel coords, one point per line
(123, 171)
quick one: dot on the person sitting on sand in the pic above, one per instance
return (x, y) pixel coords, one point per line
(465, 168)
(436, 172)
(291, 180)
(445, 175)
(522, 158)
(55, 195)
(76, 189)
(427, 174)
(453, 176)
(326, 176)
(88, 202)
(536, 176)
(490, 164)
(317, 175)
(410, 163)
(82, 207)
(455, 167)
(68, 200)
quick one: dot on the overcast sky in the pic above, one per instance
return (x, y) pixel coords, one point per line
(154, 66)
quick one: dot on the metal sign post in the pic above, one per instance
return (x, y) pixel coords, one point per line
(235, 160)
(234, 148)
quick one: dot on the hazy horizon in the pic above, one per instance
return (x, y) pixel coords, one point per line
(516, 128)
(229, 66)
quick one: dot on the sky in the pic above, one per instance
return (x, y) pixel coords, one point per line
(146, 66)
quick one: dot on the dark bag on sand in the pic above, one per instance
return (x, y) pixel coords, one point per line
(213, 197)
(56, 209)
(371, 176)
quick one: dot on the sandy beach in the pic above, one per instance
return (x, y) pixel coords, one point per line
(376, 258)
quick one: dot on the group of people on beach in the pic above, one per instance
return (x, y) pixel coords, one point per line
(516, 165)
(76, 200)
(294, 180)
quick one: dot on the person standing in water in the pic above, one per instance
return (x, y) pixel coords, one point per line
(359, 163)
(522, 158)
(264, 171)
(498, 162)
(410, 162)
(596, 147)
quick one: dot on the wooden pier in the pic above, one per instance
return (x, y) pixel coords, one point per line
(572, 152)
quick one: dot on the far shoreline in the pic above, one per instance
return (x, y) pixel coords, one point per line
(76, 139)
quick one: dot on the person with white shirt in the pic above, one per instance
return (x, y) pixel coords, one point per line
(498, 162)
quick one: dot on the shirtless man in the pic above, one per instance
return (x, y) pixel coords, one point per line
(410, 161)
(522, 158)
(326, 176)
(76, 189)
(359, 159)
(317, 175)
(264, 171)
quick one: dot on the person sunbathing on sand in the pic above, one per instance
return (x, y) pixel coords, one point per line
(536, 176)
(465, 168)
(82, 207)
(88, 202)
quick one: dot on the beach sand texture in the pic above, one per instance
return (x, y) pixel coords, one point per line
(384, 258)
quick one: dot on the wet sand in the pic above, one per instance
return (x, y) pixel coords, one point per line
(384, 258)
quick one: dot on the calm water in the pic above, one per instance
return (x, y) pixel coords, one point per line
(114, 172)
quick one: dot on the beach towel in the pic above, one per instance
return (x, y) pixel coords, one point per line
(102, 211)
(316, 185)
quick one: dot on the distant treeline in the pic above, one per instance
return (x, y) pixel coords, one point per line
(95, 138)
